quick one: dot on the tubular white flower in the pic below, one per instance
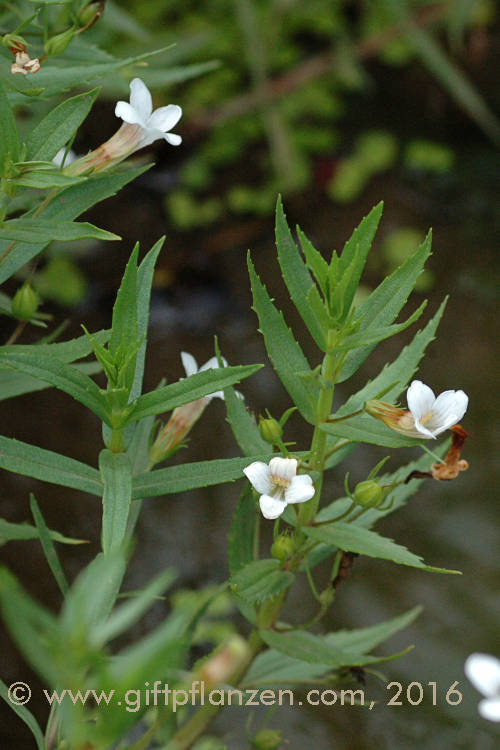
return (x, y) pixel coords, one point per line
(483, 671)
(278, 485)
(191, 368)
(434, 415)
(139, 111)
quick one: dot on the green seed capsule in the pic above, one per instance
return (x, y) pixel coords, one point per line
(368, 494)
(25, 303)
(270, 430)
(267, 739)
(282, 548)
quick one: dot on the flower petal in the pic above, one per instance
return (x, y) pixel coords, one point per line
(140, 98)
(284, 468)
(189, 363)
(164, 118)
(490, 709)
(173, 139)
(448, 409)
(483, 671)
(271, 507)
(420, 399)
(129, 114)
(257, 474)
(301, 489)
(213, 364)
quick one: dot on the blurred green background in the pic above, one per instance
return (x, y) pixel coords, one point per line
(336, 105)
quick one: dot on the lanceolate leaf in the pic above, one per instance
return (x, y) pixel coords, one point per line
(124, 326)
(144, 281)
(303, 291)
(31, 461)
(34, 231)
(12, 532)
(314, 261)
(9, 144)
(284, 352)
(56, 129)
(42, 366)
(385, 302)
(48, 546)
(398, 375)
(243, 425)
(375, 335)
(189, 476)
(277, 667)
(241, 534)
(65, 206)
(188, 389)
(352, 538)
(116, 474)
(261, 580)
(353, 256)
(367, 429)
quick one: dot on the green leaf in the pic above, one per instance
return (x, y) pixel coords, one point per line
(241, 535)
(34, 231)
(396, 377)
(190, 476)
(353, 257)
(25, 716)
(314, 261)
(352, 538)
(62, 376)
(116, 474)
(261, 580)
(188, 389)
(367, 429)
(311, 648)
(42, 180)
(302, 290)
(243, 425)
(9, 143)
(59, 126)
(48, 546)
(284, 352)
(31, 626)
(124, 325)
(127, 614)
(92, 596)
(66, 205)
(144, 282)
(10, 532)
(31, 461)
(385, 302)
(275, 667)
(375, 335)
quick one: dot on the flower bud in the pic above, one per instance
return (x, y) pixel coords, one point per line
(25, 303)
(270, 430)
(14, 43)
(267, 739)
(368, 494)
(88, 12)
(282, 548)
(58, 43)
(227, 659)
(326, 597)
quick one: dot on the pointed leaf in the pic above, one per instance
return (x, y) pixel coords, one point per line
(59, 126)
(48, 546)
(302, 290)
(314, 261)
(241, 535)
(116, 474)
(10, 532)
(34, 231)
(385, 302)
(352, 538)
(243, 425)
(31, 461)
(353, 256)
(187, 390)
(9, 143)
(261, 580)
(284, 352)
(191, 475)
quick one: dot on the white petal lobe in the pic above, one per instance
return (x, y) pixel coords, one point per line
(258, 476)
(140, 98)
(271, 507)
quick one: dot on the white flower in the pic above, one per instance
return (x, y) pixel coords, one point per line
(139, 111)
(483, 671)
(434, 415)
(278, 485)
(70, 157)
(191, 368)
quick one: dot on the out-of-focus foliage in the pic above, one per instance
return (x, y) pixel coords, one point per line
(289, 76)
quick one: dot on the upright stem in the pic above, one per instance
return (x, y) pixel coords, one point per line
(308, 510)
